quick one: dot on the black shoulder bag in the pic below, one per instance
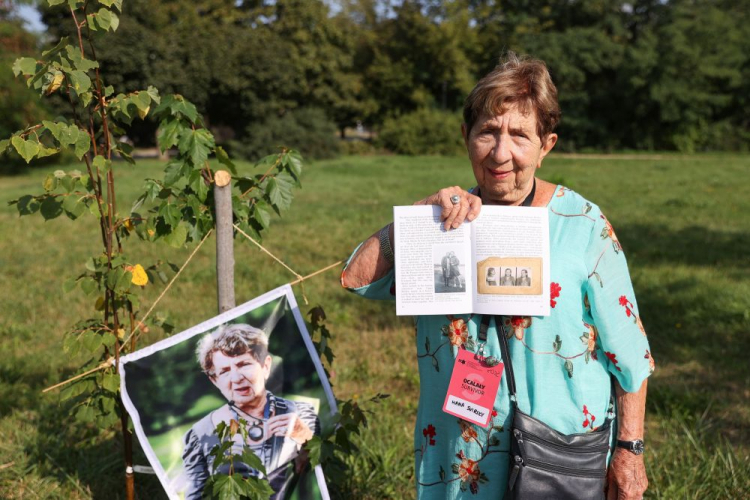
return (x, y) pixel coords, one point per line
(545, 463)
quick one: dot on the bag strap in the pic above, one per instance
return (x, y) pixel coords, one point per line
(508, 363)
(505, 351)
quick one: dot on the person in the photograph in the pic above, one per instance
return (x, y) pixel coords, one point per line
(445, 263)
(508, 279)
(235, 358)
(454, 273)
(491, 277)
(524, 279)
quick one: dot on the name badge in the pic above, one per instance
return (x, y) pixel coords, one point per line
(472, 389)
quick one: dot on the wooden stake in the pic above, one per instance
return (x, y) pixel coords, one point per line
(224, 240)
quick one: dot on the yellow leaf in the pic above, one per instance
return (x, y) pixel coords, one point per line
(140, 277)
(55, 83)
(151, 232)
(120, 333)
(143, 112)
(128, 225)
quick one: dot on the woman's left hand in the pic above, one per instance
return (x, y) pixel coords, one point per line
(626, 477)
(289, 425)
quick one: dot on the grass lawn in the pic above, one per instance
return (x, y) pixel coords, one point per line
(683, 223)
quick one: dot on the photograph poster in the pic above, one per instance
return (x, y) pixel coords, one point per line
(496, 264)
(255, 362)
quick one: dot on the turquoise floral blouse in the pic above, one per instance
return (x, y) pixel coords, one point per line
(563, 362)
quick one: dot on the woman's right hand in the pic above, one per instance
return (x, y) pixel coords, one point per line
(467, 208)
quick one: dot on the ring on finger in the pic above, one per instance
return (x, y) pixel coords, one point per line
(455, 199)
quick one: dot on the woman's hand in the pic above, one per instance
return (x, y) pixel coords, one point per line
(289, 425)
(467, 208)
(626, 478)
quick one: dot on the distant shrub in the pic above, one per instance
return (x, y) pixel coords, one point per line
(358, 148)
(423, 132)
(307, 130)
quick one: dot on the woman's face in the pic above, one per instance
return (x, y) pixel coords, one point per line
(241, 379)
(505, 151)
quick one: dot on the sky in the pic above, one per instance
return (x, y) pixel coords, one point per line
(32, 18)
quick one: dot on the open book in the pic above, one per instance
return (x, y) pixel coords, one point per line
(496, 264)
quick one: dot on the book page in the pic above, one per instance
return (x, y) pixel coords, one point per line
(434, 274)
(511, 254)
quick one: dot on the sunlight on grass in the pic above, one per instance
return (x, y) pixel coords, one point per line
(682, 221)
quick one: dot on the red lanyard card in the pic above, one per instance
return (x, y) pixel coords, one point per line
(472, 389)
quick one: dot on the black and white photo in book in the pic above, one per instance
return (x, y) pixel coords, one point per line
(524, 276)
(255, 364)
(449, 265)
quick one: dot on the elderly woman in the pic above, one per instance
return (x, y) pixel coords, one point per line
(564, 362)
(236, 360)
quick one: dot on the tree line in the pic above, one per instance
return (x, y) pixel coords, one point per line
(645, 74)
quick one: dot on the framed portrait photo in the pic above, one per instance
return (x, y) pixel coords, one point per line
(255, 364)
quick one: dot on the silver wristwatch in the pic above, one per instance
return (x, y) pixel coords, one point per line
(636, 447)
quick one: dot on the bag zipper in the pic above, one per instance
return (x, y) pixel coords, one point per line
(565, 470)
(532, 437)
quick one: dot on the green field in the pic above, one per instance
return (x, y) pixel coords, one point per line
(683, 222)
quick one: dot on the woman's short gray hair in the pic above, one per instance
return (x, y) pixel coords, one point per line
(231, 340)
(517, 81)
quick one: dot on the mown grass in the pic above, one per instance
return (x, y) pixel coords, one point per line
(683, 222)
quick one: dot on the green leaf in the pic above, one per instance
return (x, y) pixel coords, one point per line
(103, 20)
(174, 172)
(263, 214)
(88, 285)
(198, 185)
(78, 61)
(73, 206)
(57, 48)
(67, 134)
(171, 214)
(111, 382)
(176, 105)
(279, 190)
(25, 66)
(177, 237)
(223, 158)
(51, 208)
(197, 145)
(27, 205)
(90, 340)
(124, 281)
(50, 183)
(69, 284)
(4, 145)
(52, 3)
(102, 163)
(142, 100)
(295, 163)
(76, 388)
(80, 81)
(27, 149)
(153, 93)
(85, 413)
(44, 151)
(169, 133)
(83, 144)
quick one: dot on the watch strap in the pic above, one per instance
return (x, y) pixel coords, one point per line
(637, 446)
(386, 249)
